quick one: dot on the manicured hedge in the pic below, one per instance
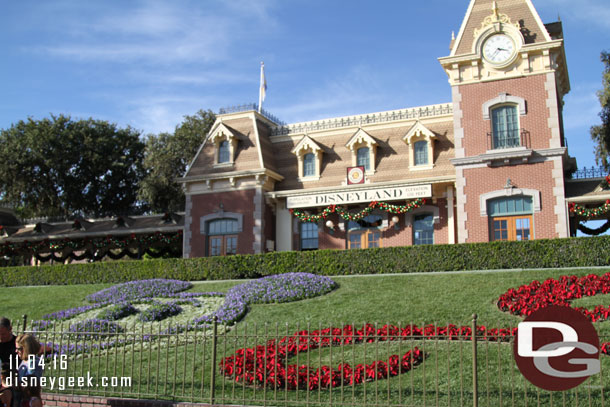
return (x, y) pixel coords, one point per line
(573, 252)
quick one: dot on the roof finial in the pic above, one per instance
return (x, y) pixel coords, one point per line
(452, 35)
(494, 8)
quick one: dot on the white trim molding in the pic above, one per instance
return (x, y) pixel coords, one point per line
(221, 214)
(419, 132)
(510, 191)
(502, 99)
(362, 139)
(303, 147)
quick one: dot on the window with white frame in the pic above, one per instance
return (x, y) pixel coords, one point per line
(504, 112)
(505, 127)
(364, 150)
(420, 141)
(309, 159)
(225, 144)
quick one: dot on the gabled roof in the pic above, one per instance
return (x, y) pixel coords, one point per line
(518, 11)
(306, 143)
(359, 137)
(418, 130)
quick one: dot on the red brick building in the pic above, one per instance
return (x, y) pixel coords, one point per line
(491, 163)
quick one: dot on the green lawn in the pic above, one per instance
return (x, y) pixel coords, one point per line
(445, 377)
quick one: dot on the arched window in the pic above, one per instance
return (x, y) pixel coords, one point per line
(505, 127)
(423, 229)
(420, 154)
(363, 158)
(309, 165)
(222, 237)
(510, 217)
(224, 153)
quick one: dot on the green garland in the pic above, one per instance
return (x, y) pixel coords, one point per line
(589, 213)
(594, 232)
(342, 211)
(44, 246)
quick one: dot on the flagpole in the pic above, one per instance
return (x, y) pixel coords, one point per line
(262, 89)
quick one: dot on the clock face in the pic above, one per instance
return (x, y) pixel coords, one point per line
(498, 49)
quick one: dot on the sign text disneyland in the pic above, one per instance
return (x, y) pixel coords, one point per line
(361, 195)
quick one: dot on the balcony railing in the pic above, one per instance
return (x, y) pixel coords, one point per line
(248, 107)
(508, 139)
(593, 172)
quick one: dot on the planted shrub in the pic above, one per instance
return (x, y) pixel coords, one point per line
(549, 253)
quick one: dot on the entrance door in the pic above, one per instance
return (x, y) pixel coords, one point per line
(364, 239)
(223, 245)
(511, 227)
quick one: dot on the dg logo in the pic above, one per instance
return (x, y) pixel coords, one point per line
(557, 348)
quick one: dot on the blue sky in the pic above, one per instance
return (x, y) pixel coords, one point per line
(148, 63)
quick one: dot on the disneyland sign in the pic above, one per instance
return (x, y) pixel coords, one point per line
(360, 195)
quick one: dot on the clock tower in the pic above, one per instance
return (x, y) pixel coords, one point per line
(508, 75)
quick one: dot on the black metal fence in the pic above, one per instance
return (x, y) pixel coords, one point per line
(280, 365)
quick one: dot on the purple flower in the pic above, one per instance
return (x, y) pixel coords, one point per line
(139, 289)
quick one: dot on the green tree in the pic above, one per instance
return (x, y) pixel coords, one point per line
(61, 167)
(167, 157)
(601, 133)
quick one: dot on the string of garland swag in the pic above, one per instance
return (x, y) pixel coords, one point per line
(594, 232)
(589, 213)
(342, 211)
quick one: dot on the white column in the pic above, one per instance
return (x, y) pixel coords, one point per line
(283, 227)
(450, 215)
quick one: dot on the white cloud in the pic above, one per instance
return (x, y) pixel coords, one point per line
(354, 92)
(591, 12)
(582, 107)
(157, 32)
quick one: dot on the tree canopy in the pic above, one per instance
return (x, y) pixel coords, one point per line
(167, 157)
(601, 133)
(63, 167)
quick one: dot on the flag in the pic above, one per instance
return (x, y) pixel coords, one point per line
(263, 88)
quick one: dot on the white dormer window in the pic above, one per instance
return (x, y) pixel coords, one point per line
(225, 144)
(420, 141)
(309, 156)
(364, 150)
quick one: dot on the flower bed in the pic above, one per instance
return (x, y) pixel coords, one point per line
(272, 289)
(118, 311)
(159, 311)
(528, 298)
(94, 328)
(531, 297)
(266, 365)
(139, 289)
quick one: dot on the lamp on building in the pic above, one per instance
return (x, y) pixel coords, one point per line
(331, 226)
(395, 221)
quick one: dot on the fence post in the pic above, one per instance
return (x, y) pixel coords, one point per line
(475, 382)
(213, 368)
(25, 322)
